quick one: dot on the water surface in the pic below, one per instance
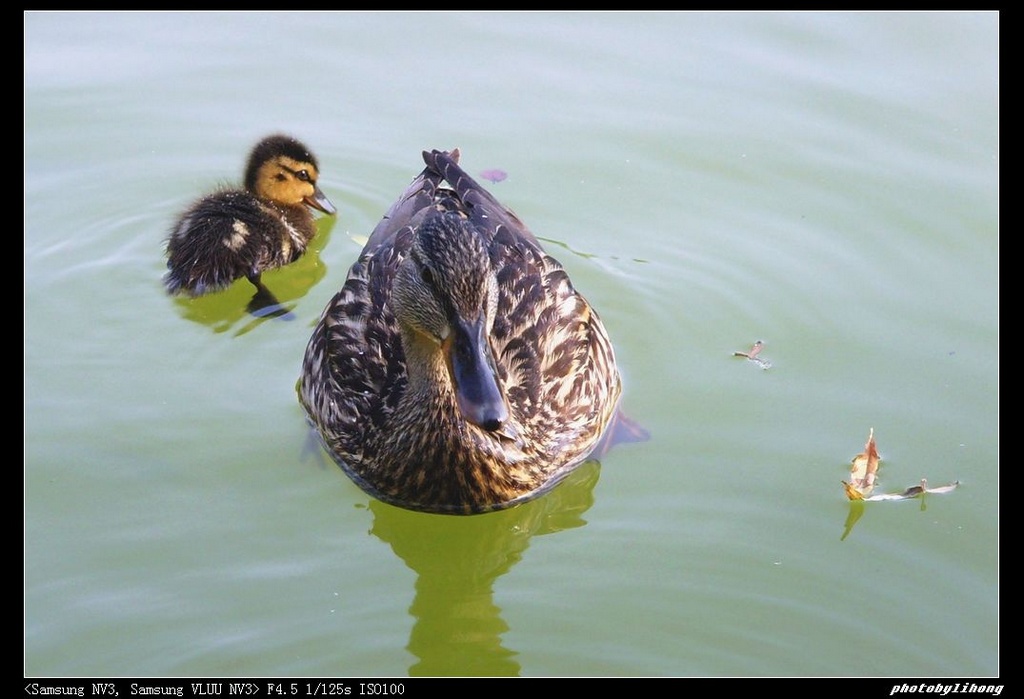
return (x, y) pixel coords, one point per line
(824, 182)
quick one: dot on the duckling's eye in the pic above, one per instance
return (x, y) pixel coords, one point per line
(303, 175)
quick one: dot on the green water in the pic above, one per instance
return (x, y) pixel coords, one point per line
(826, 183)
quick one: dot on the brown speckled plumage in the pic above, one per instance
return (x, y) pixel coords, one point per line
(416, 410)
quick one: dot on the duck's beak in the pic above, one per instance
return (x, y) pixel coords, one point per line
(318, 200)
(476, 380)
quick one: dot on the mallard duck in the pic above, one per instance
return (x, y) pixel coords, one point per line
(457, 370)
(237, 233)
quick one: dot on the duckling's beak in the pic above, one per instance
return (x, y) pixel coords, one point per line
(318, 200)
(476, 380)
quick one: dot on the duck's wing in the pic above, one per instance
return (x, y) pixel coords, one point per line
(353, 370)
(483, 210)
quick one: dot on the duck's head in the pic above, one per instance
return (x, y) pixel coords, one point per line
(284, 171)
(445, 297)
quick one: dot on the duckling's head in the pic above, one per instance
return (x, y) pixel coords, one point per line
(281, 169)
(445, 297)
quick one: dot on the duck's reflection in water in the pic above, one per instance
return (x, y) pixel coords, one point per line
(458, 627)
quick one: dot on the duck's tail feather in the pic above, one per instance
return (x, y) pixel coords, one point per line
(408, 209)
(477, 200)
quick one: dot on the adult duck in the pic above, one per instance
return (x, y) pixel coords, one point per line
(457, 370)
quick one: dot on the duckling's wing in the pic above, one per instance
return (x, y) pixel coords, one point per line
(223, 237)
(484, 211)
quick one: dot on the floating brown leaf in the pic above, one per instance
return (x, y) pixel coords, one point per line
(864, 474)
(752, 353)
(863, 471)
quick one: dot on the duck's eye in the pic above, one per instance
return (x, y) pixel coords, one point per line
(426, 275)
(303, 175)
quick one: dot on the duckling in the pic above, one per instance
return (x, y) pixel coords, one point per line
(237, 233)
(458, 370)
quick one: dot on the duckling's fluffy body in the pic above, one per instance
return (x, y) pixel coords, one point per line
(238, 233)
(457, 370)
